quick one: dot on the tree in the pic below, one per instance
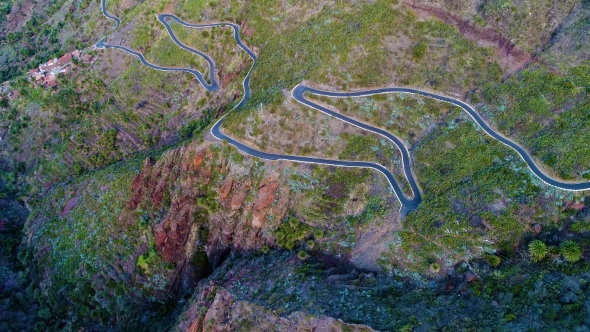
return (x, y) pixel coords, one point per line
(571, 251)
(537, 250)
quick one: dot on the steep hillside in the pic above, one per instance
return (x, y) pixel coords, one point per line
(119, 210)
(141, 235)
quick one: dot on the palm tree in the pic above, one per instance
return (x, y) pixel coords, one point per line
(537, 250)
(571, 251)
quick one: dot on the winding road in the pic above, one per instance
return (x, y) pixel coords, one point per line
(298, 93)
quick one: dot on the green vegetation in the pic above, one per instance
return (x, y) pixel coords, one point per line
(464, 211)
(5, 7)
(98, 239)
(537, 250)
(165, 53)
(338, 33)
(580, 227)
(493, 260)
(419, 51)
(291, 232)
(70, 153)
(571, 251)
(196, 126)
(220, 45)
(405, 116)
(435, 267)
(527, 24)
(391, 302)
(382, 151)
(547, 113)
(134, 112)
(302, 255)
(145, 261)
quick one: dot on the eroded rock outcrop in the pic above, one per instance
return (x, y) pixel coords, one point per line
(172, 233)
(226, 313)
(197, 201)
(265, 196)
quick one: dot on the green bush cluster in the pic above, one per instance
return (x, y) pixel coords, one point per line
(419, 50)
(493, 260)
(209, 201)
(580, 227)
(195, 127)
(291, 232)
(459, 170)
(523, 105)
(145, 261)
(569, 250)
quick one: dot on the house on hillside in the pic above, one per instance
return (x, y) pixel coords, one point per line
(50, 81)
(46, 73)
(65, 59)
(49, 65)
(87, 58)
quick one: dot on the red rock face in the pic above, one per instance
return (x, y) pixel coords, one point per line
(266, 194)
(170, 188)
(175, 180)
(172, 233)
(239, 195)
(225, 188)
(138, 185)
(199, 158)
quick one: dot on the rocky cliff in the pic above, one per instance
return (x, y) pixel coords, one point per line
(162, 223)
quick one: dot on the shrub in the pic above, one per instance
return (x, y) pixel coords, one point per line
(291, 232)
(265, 249)
(537, 250)
(580, 227)
(39, 326)
(145, 261)
(302, 255)
(571, 251)
(78, 169)
(419, 51)
(553, 251)
(318, 233)
(493, 260)
(435, 267)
